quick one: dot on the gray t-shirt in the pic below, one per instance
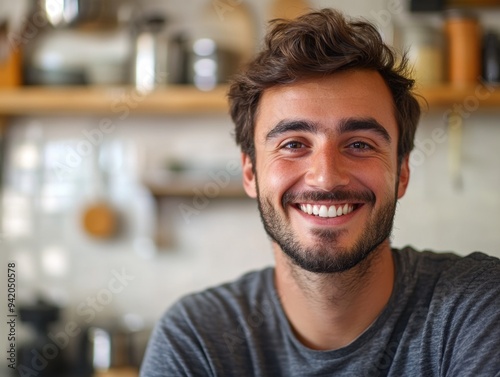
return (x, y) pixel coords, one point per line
(443, 319)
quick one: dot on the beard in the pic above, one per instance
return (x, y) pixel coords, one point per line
(326, 256)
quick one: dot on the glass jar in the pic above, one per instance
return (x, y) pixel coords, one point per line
(463, 37)
(425, 47)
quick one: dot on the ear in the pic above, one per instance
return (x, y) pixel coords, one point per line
(248, 176)
(404, 176)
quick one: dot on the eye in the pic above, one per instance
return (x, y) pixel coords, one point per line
(293, 145)
(360, 145)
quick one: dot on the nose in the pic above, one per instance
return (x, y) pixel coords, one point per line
(327, 169)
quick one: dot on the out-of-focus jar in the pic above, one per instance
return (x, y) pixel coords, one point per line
(221, 42)
(463, 34)
(425, 47)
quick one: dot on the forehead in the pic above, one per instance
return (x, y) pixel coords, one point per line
(328, 100)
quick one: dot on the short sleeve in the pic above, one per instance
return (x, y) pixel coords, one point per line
(473, 345)
(174, 349)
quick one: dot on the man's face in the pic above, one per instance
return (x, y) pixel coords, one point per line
(326, 171)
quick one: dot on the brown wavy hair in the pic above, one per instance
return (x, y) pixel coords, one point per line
(321, 43)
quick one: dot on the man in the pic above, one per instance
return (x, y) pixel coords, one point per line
(326, 118)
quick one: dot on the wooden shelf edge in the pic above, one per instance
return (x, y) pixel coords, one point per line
(178, 99)
(447, 96)
(188, 189)
(185, 99)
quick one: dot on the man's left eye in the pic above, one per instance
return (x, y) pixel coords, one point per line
(293, 145)
(360, 145)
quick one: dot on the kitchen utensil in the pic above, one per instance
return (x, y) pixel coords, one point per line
(82, 13)
(71, 56)
(40, 316)
(60, 12)
(111, 345)
(150, 65)
(223, 42)
(99, 218)
(210, 64)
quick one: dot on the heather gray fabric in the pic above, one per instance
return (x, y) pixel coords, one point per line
(443, 319)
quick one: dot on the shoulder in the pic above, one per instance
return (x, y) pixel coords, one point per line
(475, 268)
(231, 297)
(476, 272)
(461, 290)
(194, 334)
(221, 308)
(452, 285)
(456, 301)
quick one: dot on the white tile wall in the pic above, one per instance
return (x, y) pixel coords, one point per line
(435, 213)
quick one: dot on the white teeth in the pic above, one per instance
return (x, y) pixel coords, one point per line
(324, 211)
(332, 212)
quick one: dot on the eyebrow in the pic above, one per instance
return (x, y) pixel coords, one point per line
(286, 125)
(364, 124)
(346, 125)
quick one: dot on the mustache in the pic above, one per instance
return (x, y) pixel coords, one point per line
(336, 195)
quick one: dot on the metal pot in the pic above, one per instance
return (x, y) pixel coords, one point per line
(112, 346)
(62, 13)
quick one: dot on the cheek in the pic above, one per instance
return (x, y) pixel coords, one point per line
(378, 178)
(277, 177)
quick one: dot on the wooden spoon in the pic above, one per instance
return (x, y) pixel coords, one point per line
(100, 219)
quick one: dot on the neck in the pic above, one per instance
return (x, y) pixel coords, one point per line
(329, 311)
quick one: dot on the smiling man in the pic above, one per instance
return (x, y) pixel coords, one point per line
(326, 118)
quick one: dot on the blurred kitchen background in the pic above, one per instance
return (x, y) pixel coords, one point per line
(120, 180)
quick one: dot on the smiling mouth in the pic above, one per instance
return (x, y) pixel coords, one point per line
(322, 210)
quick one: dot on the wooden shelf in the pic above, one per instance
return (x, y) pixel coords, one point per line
(190, 188)
(182, 99)
(442, 96)
(179, 99)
